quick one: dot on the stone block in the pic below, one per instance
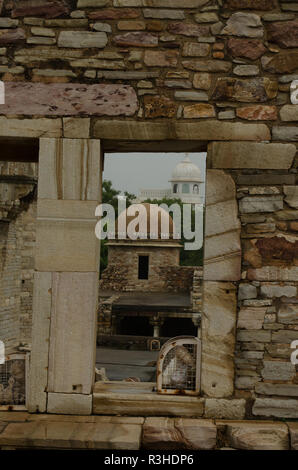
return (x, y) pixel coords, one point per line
(258, 436)
(69, 403)
(68, 99)
(289, 112)
(286, 390)
(139, 131)
(37, 399)
(42, 127)
(69, 169)
(82, 39)
(220, 186)
(221, 217)
(218, 339)
(160, 3)
(72, 434)
(73, 334)
(247, 291)
(273, 290)
(277, 370)
(244, 24)
(273, 273)
(76, 128)
(251, 318)
(262, 336)
(284, 336)
(251, 90)
(285, 133)
(291, 198)
(255, 204)
(217, 408)
(288, 314)
(178, 433)
(293, 428)
(275, 407)
(252, 155)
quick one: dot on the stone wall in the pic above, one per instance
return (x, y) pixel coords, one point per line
(17, 239)
(139, 75)
(165, 274)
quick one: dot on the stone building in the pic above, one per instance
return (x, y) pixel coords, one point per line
(86, 77)
(144, 290)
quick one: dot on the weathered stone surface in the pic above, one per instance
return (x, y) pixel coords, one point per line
(263, 336)
(293, 428)
(252, 155)
(76, 181)
(136, 39)
(247, 291)
(139, 131)
(248, 48)
(91, 3)
(250, 90)
(11, 36)
(246, 70)
(160, 3)
(187, 29)
(116, 398)
(258, 436)
(178, 433)
(276, 370)
(191, 96)
(273, 273)
(194, 49)
(164, 14)
(257, 113)
(260, 204)
(244, 24)
(72, 292)
(177, 84)
(276, 407)
(291, 198)
(218, 326)
(114, 14)
(76, 128)
(206, 17)
(37, 399)
(128, 25)
(45, 8)
(199, 110)
(206, 65)
(289, 112)
(284, 336)
(81, 39)
(284, 62)
(288, 314)
(30, 127)
(71, 99)
(69, 403)
(289, 6)
(287, 390)
(285, 133)
(250, 4)
(279, 247)
(271, 290)
(161, 59)
(251, 318)
(285, 33)
(72, 434)
(202, 81)
(159, 106)
(224, 409)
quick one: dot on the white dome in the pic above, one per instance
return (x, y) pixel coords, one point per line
(186, 171)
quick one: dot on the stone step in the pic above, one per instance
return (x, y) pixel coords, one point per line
(67, 432)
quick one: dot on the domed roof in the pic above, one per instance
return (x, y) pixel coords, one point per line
(186, 171)
(152, 219)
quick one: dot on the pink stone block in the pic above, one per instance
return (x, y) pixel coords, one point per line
(60, 99)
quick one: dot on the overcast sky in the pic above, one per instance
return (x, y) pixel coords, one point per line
(134, 171)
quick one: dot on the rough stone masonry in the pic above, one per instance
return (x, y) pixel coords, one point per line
(213, 71)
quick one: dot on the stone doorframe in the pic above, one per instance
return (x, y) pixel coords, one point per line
(67, 252)
(66, 279)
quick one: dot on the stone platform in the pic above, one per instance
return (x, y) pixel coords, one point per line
(21, 430)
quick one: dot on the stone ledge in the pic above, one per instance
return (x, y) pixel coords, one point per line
(25, 430)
